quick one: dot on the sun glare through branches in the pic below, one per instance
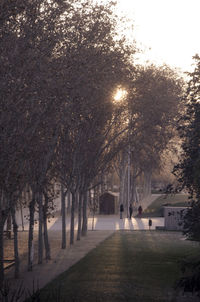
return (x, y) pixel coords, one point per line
(120, 95)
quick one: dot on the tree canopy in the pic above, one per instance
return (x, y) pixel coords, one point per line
(188, 168)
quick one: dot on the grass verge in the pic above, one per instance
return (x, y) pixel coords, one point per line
(129, 266)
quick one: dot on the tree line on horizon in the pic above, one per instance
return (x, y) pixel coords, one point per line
(61, 63)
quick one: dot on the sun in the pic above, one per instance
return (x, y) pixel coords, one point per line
(120, 94)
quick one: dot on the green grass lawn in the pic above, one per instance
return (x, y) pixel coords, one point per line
(156, 208)
(137, 266)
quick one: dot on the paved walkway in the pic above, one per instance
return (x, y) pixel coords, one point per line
(107, 222)
(111, 222)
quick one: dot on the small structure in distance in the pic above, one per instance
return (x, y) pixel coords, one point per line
(108, 203)
(174, 218)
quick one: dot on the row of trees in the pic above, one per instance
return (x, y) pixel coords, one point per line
(60, 65)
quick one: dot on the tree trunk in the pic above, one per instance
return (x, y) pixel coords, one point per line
(16, 252)
(125, 193)
(93, 214)
(30, 236)
(46, 239)
(84, 225)
(72, 218)
(101, 185)
(80, 200)
(68, 202)
(135, 199)
(122, 176)
(121, 182)
(2, 222)
(9, 226)
(63, 213)
(40, 237)
(147, 183)
(134, 194)
(21, 212)
(4, 210)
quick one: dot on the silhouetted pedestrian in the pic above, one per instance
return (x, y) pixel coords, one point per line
(121, 210)
(130, 211)
(140, 210)
(150, 223)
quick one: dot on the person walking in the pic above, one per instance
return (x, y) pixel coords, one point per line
(130, 211)
(121, 209)
(140, 210)
(150, 223)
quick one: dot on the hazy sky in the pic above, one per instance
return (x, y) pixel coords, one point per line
(171, 28)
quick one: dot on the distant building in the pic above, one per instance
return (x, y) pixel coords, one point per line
(174, 218)
(109, 203)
